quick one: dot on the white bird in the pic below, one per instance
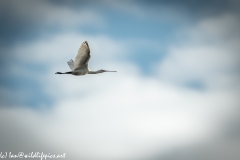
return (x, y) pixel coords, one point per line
(80, 65)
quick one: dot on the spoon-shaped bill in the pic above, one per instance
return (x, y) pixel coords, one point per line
(109, 71)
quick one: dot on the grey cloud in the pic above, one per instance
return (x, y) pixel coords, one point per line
(27, 20)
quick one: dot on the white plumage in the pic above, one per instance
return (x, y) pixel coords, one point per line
(71, 64)
(80, 65)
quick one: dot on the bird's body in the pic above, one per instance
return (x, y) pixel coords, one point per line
(80, 65)
(79, 72)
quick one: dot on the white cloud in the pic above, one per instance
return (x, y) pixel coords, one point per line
(63, 47)
(216, 29)
(119, 115)
(209, 55)
(123, 116)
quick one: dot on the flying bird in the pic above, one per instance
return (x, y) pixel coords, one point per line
(80, 65)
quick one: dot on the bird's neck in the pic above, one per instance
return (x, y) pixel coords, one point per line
(95, 72)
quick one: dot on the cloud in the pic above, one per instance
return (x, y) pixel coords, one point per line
(209, 55)
(24, 20)
(110, 116)
(126, 115)
(115, 118)
(47, 14)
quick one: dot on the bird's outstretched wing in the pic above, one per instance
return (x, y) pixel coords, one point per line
(71, 64)
(83, 56)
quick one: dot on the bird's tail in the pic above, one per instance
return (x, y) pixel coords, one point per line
(63, 73)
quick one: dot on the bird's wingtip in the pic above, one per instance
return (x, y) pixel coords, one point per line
(86, 42)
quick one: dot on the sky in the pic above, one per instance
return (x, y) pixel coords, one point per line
(175, 95)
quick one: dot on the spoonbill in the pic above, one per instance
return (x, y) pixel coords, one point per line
(80, 65)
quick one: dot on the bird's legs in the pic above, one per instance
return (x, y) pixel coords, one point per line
(63, 73)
